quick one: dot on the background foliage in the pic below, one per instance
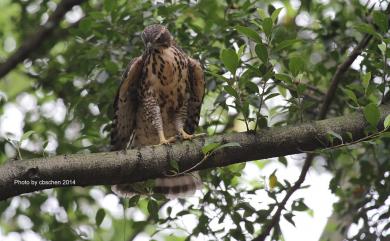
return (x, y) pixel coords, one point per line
(267, 63)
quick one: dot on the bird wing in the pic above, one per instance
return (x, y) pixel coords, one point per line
(196, 90)
(125, 105)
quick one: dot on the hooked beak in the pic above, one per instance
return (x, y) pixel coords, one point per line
(149, 47)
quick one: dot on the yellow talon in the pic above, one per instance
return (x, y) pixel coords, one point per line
(164, 141)
(185, 136)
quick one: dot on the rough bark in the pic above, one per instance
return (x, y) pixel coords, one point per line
(153, 161)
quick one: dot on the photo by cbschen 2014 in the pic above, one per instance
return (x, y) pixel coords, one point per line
(194, 120)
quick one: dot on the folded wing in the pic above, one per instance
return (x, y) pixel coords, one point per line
(125, 105)
(196, 88)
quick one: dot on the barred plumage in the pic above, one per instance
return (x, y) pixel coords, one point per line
(160, 97)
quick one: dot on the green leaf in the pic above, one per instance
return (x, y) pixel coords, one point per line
(237, 168)
(182, 213)
(382, 47)
(349, 135)
(335, 135)
(230, 91)
(262, 14)
(273, 180)
(262, 122)
(133, 201)
(366, 28)
(351, 95)
(210, 147)
(223, 78)
(283, 160)
(230, 60)
(283, 77)
(286, 43)
(229, 144)
(251, 87)
(275, 14)
(301, 88)
(159, 196)
(174, 165)
(109, 5)
(366, 80)
(110, 67)
(372, 114)
(269, 74)
(267, 26)
(288, 217)
(261, 52)
(26, 135)
(386, 123)
(271, 9)
(296, 65)
(249, 227)
(250, 33)
(153, 208)
(100, 214)
(299, 206)
(270, 96)
(380, 19)
(241, 50)
(214, 146)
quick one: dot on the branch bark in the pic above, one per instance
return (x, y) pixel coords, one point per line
(135, 165)
(35, 41)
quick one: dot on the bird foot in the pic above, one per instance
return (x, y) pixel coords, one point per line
(185, 136)
(167, 141)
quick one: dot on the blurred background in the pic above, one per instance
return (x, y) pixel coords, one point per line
(267, 64)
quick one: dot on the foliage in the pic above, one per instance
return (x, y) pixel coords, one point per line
(267, 63)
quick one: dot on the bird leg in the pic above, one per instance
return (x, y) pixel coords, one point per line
(153, 114)
(179, 123)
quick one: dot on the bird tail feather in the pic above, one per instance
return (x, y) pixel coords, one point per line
(171, 187)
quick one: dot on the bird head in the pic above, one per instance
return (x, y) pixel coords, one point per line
(156, 36)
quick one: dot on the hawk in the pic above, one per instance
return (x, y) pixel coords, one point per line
(159, 98)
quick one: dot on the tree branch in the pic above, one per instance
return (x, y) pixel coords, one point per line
(16, 177)
(35, 41)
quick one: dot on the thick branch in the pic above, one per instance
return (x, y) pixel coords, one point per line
(153, 161)
(35, 41)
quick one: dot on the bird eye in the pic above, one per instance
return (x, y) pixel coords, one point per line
(160, 39)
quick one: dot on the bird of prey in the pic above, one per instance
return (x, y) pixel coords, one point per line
(159, 98)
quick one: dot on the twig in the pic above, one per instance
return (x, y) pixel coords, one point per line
(191, 168)
(296, 186)
(385, 82)
(305, 95)
(35, 41)
(366, 138)
(261, 103)
(341, 69)
(315, 89)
